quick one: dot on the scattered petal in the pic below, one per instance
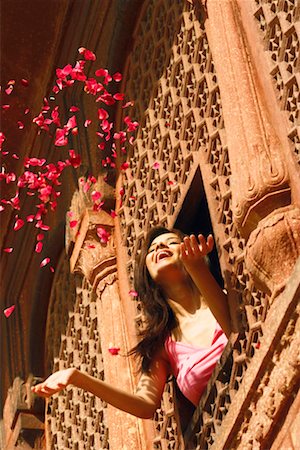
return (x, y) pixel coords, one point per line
(45, 262)
(103, 235)
(117, 76)
(8, 311)
(133, 293)
(8, 249)
(60, 137)
(20, 125)
(102, 114)
(124, 166)
(74, 109)
(114, 350)
(87, 54)
(73, 223)
(38, 247)
(119, 96)
(96, 195)
(18, 224)
(75, 160)
(87, 123)
(156, 165)
(24, 82)
(113, 214)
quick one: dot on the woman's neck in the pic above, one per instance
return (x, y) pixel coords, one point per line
(184, 298)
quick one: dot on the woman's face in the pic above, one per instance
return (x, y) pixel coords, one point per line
(163, 257)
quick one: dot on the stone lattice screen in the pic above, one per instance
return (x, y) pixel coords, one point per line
(170, 75)
(75, 419)
(278, 22)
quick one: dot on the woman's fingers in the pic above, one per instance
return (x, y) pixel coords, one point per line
(191, 246)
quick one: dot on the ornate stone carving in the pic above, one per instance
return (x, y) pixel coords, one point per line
(278, 235)
(24, 416)
(253, 145)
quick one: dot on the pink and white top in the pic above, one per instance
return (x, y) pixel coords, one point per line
(193, 366)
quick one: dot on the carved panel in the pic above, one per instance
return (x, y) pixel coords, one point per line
(181, 126)
(277, 387)
(76, 419)
(278, 23)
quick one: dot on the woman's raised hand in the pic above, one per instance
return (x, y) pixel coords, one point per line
(55, 383)
(193, 250)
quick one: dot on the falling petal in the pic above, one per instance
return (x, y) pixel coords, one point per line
(103, 235)
(119, 96)
(18, 224)
(156, 165)
(73, 223)
(39, 247)
(133, 293)
(45, 262)
(8, 311)
(124, 166)
(20, 125)
(60, 137)
(117, 76)
(96, 195)
(8, 249)
(114, 350)
(25, 82)
(102, 114)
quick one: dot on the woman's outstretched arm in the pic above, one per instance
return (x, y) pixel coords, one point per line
(142, 404)
(192, 254)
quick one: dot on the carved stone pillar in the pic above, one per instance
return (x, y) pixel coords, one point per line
(23, 417)
(261, 188)
(96, 261)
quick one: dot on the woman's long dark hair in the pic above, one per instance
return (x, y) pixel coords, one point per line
(160, 319)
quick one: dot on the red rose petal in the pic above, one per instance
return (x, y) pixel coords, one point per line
(117, 76)
(18, 224)
(119, 96)
(133, 293)
(45, 262)
(8, 249)
(114, 350)
(8, 311)
(38, 247)
(24, 82)
(73, 223)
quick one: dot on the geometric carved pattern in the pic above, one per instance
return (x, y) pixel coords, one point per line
(278, 22)
(76, 419)
(171, 77)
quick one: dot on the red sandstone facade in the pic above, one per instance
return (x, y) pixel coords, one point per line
(216, 91)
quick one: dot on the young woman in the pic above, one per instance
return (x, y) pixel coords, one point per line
(186, 324)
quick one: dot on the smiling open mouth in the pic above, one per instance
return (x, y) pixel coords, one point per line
(163, 254)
